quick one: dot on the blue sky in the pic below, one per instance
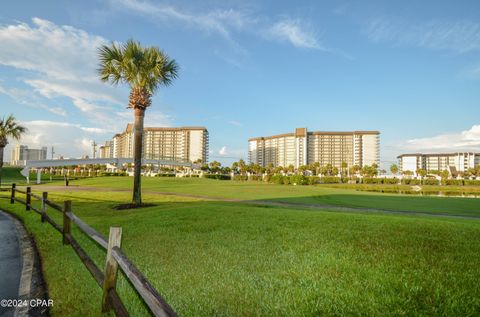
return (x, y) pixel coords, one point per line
(410, 69)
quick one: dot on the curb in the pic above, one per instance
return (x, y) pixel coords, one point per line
(32, 285)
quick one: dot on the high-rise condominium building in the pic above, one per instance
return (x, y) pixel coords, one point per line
(179, 144)
(303, 147)
(106, 151)
(21, 153)
(461, 161)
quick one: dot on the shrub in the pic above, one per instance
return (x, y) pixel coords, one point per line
(372, 180)
(455, 182)
(472, 182)
(329, 180)
(298, 179)
(255, 177)
(411, 181)
(430, 181)
(217, 176)
(393, 181)
(113, 174)
(312, 180)
(240, 177)
(165, 175)
(285, 180)
(276, 179)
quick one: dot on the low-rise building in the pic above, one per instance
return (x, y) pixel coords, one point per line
(303, 147)
(460, 161)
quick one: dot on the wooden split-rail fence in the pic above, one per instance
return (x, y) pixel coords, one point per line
(115, 258)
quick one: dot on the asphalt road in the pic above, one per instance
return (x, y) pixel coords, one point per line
(10, 263)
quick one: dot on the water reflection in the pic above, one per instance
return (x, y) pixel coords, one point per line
(438, 193)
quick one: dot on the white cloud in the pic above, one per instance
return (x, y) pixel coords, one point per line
(86, 146)
(75, 89)
(468, 140)
(60, 62)
(236, 123)
(60, 52)
(48, 124)
(223, 151)
(25, 97)
(228, 21)
(222, 22)
(459, 36)
(295, 33)
(69, 139)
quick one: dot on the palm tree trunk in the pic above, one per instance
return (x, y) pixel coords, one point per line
(1, 164)
(137, 159)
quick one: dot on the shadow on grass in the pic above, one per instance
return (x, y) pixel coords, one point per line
(371, 202)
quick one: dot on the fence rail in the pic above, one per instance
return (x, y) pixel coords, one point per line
(115, 257)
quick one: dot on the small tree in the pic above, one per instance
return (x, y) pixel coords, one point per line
(344, 168)
(444, 174)
(215, 166)
(9, 128)
(235, 166)
(242, 166)
(269, 169)
(421, 172)
(290, 168)
(407, 173)
(355, 169)
(394, 169)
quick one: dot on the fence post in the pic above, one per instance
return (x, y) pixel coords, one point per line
(28, 199)
(12, 197)
(44, 205)
(111, 267)
(67, 207)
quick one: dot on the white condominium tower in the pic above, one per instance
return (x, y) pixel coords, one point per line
(21, 153)
(303, 147)
(179, 144)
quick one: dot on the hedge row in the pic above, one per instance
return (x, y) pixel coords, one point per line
(218, 176)
(311, 180)
(461, 182)
(112, 174)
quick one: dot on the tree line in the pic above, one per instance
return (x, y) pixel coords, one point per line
(242, 168)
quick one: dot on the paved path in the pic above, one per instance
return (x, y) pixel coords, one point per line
(10, 262)
(323, 207)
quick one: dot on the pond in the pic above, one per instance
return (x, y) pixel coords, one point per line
(438, 193)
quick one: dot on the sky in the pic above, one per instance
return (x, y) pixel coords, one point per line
(409, 69)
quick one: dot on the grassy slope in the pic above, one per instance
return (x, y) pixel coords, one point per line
(297, 194)
(212, 258)
(12, 174)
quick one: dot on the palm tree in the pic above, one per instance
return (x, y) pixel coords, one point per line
(394, 169)
(144, 69)
(344, 168)
(9, 128)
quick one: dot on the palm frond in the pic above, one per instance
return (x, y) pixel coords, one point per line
(9, 128)
(140, 67)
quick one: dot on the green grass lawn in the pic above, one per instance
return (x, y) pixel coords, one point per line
(211, 258)
(322, 195)
(12, 175)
